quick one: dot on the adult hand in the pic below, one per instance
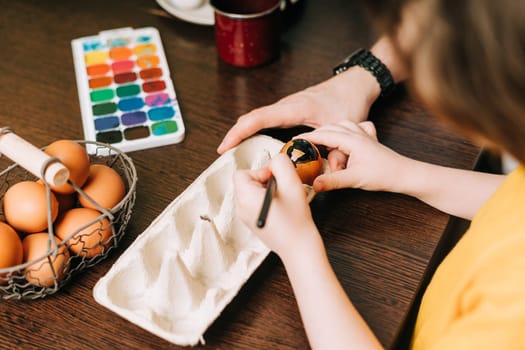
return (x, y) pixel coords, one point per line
(347, 96)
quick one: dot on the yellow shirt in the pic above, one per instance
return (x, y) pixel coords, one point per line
(476, 299)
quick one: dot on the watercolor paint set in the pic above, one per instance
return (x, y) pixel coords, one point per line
(127, 97)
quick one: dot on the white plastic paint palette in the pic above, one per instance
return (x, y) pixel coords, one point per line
(126, 94)
(182, 271)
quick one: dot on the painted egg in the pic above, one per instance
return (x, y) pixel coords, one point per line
(306, 158)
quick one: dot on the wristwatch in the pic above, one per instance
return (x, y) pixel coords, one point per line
(366, 59)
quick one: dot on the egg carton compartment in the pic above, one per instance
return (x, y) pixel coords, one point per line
(180, 273)
(48, 272)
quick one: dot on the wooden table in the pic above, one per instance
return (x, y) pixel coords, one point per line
(379, 243)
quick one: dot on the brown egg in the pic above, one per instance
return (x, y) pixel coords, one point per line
(25, 206)
(75, 158)
(306, 158)
(89, 241)
(104, 185)
(11, 251)
(66, 201)
(45, 270)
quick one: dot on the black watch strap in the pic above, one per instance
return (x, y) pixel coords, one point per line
(366, 59)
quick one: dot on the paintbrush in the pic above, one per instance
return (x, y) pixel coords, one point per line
(271, 186)
(307, 162)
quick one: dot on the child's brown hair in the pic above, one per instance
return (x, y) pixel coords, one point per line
(467, 64)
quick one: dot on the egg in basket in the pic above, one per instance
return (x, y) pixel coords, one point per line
(62, 211)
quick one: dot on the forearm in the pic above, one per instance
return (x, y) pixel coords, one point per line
(330, 319)
(365, 81)
(384, 50)
(454, 191)
(359, 82)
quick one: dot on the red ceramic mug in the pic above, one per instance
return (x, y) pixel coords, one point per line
(247, 32)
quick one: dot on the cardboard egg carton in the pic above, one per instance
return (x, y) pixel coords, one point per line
(186, 267)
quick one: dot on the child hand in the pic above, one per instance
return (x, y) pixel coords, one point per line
(289, 223)
(361, 161)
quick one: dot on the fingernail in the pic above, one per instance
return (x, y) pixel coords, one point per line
(221, 145)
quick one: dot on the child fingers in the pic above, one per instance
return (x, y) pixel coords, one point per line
(334, 181)
(258, 176)
(285, 173)
(369, 128)
(249, 186)
(335, 139)
(337, 160)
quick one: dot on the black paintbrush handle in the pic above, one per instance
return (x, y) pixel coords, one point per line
(270, 190)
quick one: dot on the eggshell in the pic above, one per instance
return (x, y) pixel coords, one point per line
(75, 158)
(44, 271)
(25, 206)
(306, 158)
(89, 241)
(11, 251)
(66, 201)
(104, 185)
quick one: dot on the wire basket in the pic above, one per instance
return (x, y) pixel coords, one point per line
(19, 282)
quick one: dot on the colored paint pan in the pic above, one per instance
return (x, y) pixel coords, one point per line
(127, 97)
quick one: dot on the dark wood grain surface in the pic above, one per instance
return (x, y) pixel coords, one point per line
(378, 243)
